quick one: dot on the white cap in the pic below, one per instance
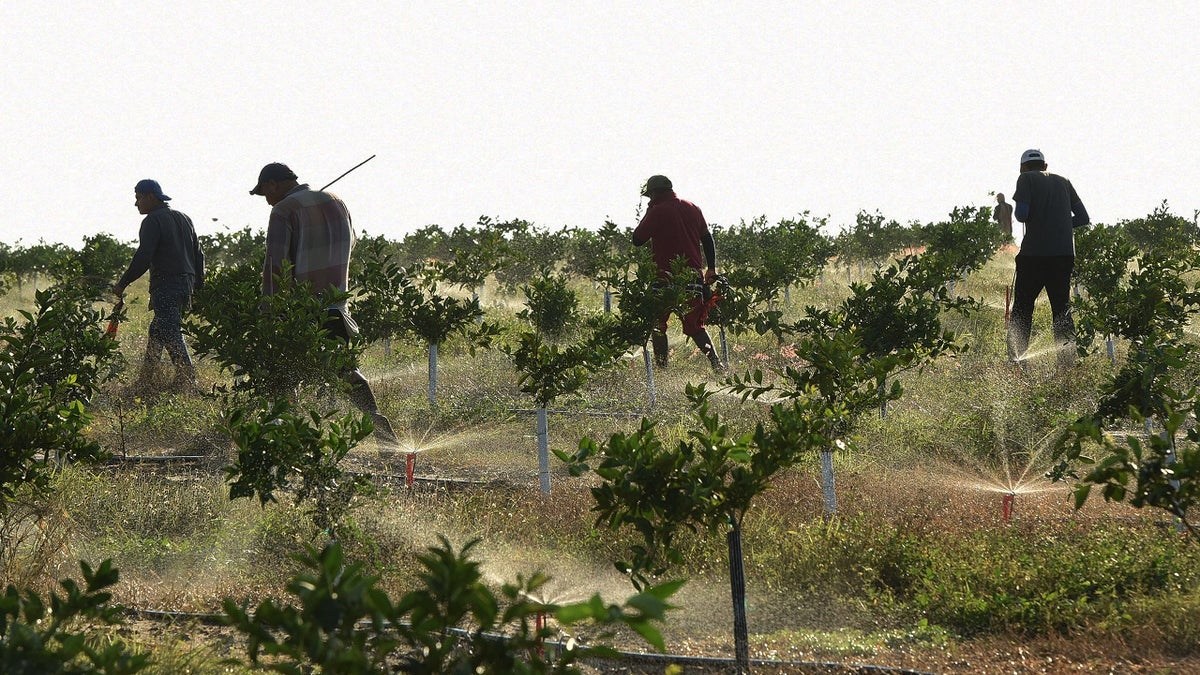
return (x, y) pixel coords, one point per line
(1032, 155)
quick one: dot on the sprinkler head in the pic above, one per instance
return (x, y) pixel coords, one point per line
(1006, 506)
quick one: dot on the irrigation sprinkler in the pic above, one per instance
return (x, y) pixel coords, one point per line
(410, 465)
(539, 624)
(1007, 504)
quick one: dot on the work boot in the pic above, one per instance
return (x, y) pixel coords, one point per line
(185, 380)
(661, 349)
(704, 342)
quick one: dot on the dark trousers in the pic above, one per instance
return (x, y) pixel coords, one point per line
(166, 328)
(360, 389)
(1034, 273)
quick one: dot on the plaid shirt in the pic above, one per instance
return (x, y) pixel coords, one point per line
(312, 231)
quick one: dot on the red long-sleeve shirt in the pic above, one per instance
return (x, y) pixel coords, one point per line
(675, 227)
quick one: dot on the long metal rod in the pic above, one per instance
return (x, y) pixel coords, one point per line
(351, 169)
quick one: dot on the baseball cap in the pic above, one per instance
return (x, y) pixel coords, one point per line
(272, 171)
(151, 187)
(1032, 155)
(655, 184)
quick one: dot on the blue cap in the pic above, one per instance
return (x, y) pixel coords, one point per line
(151, 187)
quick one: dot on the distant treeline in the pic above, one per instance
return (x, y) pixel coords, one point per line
(789, 252)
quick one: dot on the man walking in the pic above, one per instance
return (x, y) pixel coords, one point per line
(1050, 209)
(1003, 217)
(676, 229)
(169, 250)
(311, 230)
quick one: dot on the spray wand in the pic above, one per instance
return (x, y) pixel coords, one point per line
(345, 174)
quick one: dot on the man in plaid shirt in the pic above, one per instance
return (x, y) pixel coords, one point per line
(311, 230)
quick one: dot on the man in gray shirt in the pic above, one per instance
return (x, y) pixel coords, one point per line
(1050, 209)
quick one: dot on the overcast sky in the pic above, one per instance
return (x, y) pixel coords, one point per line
(556, 112)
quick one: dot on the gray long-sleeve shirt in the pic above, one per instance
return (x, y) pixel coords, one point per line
(168, 249)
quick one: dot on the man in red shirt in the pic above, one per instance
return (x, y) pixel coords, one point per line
(676, 229)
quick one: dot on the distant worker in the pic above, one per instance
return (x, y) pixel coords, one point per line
(1003, 217)
(311, 230)
(1050, 209)
(169, 250)
(676, 228)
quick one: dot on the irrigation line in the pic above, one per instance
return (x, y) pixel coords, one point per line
(579, 413)
(153, 459)
(213, 619)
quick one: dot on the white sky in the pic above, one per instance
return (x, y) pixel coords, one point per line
(556, 112)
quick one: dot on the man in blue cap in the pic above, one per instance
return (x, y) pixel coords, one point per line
(169, 250)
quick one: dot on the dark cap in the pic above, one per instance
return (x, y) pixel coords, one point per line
(655, 184)
(150, 187)
(272, 171)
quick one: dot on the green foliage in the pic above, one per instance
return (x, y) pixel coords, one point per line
(965, 242)
(529, 249)
(233, 248)
(873, 239)
(599, 255)
(474, 255)
(706, 481)
(95, 267)
(743, 297)
(1102, 256)
(850, 352)
(30, 261)
(36, 639)
(276, 443)
(423, 245)
(51, 364)
(645, 295)
(448, 625)
(1162, 231)
(1149, 302)
(549, 370)
(270, 345)
(1147, 298)
(1033, 585)
(551, 307)
(383, 291)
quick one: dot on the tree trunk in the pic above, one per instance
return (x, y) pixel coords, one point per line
(433, 349)
(543, 441)
(649, 374)
(827, 481)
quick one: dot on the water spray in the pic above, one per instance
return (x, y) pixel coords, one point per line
(1007, 504)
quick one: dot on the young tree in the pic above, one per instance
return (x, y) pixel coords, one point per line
(340, 621)
(550, 366)
(1151, 306)
(52, 361)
